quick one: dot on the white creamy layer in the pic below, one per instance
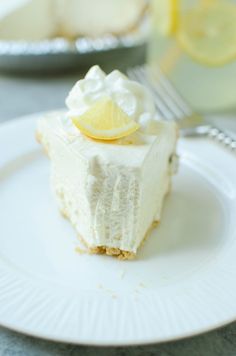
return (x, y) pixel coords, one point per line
(112, 193)
(41, 19)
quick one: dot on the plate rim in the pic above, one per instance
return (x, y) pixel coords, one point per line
(139, 342)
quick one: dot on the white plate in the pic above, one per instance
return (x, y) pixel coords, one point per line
(182, 283)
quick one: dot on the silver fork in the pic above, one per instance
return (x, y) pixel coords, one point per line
(171, 106)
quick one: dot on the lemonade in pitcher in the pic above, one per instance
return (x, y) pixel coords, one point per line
(194, 43)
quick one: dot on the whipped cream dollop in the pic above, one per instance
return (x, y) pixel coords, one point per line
(129, 95)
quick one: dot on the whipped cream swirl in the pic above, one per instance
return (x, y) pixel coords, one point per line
(130, 96)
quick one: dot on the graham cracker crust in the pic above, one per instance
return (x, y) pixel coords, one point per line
(38, 136)
(102, 250)
(109, 251)
(113, 251)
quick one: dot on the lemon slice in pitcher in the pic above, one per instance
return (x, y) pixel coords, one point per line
(208, 33)
(105, 120)
(165, 15)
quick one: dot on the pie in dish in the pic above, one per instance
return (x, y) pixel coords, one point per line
(110, 180)
(35, 20)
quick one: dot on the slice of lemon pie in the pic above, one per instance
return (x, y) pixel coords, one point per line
(111, 161)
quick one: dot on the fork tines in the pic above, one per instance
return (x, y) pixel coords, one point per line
(169, 103)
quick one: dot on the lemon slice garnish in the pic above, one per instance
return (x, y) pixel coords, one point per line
(165, 15)
(105, 120)
(208, 33)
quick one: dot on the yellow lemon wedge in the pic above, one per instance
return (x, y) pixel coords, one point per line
(105, 120)
(165, 15)
(208, 33)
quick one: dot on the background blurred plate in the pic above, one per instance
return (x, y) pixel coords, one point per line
(60, 53)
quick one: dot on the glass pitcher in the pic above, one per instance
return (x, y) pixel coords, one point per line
(194, 43)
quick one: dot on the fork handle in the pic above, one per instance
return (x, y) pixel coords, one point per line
(214, 133)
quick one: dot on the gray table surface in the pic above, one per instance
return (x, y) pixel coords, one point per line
(20, 95)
